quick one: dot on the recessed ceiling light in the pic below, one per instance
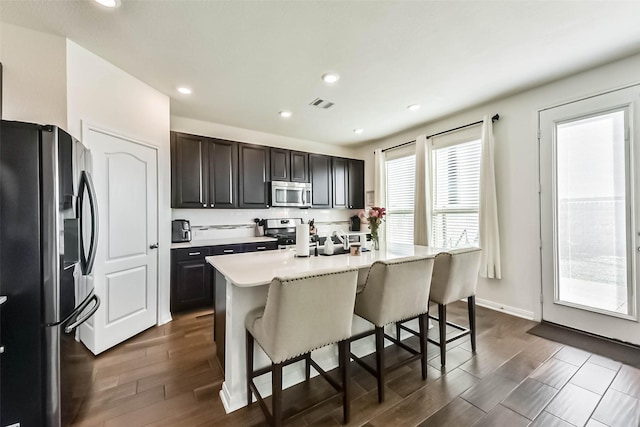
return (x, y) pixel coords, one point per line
(184, 90)
(413, 107)
(358, 131)
(330, 77)
(108, 3)
(285, 114)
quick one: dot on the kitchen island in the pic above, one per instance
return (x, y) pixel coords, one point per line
(245, 279)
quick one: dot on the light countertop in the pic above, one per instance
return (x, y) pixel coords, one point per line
(221, 242)
(259, 268)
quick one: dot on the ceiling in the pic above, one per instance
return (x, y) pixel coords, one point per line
(248, 60)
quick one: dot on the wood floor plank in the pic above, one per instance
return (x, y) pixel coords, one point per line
(169, 376)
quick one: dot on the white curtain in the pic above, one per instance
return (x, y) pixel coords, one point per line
(489, 232)
(380, 179)
(421, 211)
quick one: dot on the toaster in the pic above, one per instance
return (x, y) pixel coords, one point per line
(180, 231)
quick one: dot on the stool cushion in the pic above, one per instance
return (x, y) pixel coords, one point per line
(395, 290)
(455, 275)
(303, 313)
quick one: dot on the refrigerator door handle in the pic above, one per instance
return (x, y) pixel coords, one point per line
(78, 321)
(86, 261)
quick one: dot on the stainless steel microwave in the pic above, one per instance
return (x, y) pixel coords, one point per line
(291, 194)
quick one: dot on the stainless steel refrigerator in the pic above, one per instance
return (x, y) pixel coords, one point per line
(48, 238)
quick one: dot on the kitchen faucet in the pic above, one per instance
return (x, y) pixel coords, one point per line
(343, 238)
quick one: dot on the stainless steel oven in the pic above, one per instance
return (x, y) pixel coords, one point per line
(291, 194)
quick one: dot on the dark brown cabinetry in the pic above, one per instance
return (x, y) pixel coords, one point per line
(356, 184)
(321, 180)
(254, 176)
(287, 165)
(190, 279)
(203, 172)
(348, 183)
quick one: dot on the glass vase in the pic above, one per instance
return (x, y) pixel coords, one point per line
(375, 240)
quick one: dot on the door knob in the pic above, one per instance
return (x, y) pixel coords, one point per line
(153, 246)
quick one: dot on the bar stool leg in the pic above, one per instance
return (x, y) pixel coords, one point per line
(422, 319)
(249, 365)
(380, 362)
(471, 301)
(276, 394)
(398, 331)
(442, 323)
(344, 349)
(307, 366)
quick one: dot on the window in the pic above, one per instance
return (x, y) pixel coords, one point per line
(400, 188)
(455, 174)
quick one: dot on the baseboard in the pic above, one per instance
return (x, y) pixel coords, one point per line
(513, 311)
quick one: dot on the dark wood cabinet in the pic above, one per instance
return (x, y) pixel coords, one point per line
(188, 170)
(203, 172)
(348, 183)
(254, 176)
(191, 280)
(321, 180)
(340, 183)
(222, 174)
(289, 165)
(356, 184)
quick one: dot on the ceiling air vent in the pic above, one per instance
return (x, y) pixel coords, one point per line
(321, 103)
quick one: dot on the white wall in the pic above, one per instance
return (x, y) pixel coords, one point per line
(107, 97)
(517, 176)
(34, 76)
(239, 217)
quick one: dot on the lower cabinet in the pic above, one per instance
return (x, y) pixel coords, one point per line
(191, 279)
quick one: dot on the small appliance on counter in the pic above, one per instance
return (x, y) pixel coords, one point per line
(283, 229)
(180, 231)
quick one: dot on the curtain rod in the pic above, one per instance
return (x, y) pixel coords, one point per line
(495, 118)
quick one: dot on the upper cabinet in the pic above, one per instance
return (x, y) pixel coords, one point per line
(216, 173)
(348, 183)
(203, 172)
(254, 176)
(321, 180)
(356, 184)
(287, 165)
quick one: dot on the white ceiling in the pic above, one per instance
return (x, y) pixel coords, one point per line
(247, 60)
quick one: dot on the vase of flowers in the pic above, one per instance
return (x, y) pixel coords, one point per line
(374, 217)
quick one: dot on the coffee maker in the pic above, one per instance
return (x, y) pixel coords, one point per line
(180, 231)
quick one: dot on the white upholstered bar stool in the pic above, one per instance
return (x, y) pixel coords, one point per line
(302, 313)
(455, 276)
(395, 290)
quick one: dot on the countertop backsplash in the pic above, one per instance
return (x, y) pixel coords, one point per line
(207, 224)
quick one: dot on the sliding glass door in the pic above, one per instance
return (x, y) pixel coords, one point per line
(588, 198)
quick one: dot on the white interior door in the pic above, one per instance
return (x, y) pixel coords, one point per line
(589, 214)
(126, 267)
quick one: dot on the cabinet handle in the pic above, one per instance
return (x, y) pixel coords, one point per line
(1, 349)
(211, 205)
(261, 248)
(204, 205)
(194, 253)
(228, 251)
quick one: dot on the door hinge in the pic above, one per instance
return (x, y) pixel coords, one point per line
(541, 299)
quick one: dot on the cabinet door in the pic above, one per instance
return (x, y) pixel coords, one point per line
(299, 166)
(188, 171)
(321, 180)
(280, 164)
(223, 173)
(356, 184)
(340, 183)
(254, 175)
(191, 280)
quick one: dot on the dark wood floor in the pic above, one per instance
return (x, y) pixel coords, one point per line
(168, 376)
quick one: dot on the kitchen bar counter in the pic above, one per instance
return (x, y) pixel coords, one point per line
(244, 278)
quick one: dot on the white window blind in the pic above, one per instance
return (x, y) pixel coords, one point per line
(456, 194)
(400, 188)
